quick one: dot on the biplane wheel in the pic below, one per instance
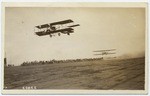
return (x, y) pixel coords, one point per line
(58, 34)
(68, 33)
(50, 35)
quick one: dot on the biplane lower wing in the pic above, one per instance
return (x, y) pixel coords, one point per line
(42, 33)
(105, 54)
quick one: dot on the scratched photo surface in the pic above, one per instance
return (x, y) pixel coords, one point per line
(74, 48)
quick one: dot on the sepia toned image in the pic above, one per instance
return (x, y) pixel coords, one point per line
(74, 48)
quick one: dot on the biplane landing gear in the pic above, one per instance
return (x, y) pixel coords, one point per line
(50, 35)
(58, 34)
(68, 33)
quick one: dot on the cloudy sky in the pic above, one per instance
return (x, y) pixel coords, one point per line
(122, 29)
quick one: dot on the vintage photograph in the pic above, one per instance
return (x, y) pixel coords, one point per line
(76, 48)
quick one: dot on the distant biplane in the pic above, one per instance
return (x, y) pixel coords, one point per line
(64, 27)
(105, 52)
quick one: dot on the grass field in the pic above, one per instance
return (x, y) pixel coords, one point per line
(125, 74)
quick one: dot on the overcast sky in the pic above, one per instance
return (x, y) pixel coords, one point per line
(122, 29)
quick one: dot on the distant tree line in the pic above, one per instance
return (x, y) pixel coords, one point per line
(57, 61)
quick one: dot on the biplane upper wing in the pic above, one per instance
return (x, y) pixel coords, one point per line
(61, 22)
(98, 54)
(105, 54)
(55, 23)
(104, 50)
(74, 25)
(42, 33)
(111, 53)
(42, 26)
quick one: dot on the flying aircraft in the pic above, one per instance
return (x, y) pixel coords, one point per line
(65, 27)
(105, 52)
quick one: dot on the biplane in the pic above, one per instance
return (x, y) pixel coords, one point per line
(105, 52)
(65, 27)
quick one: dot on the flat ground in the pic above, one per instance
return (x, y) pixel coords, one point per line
(127, 74)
